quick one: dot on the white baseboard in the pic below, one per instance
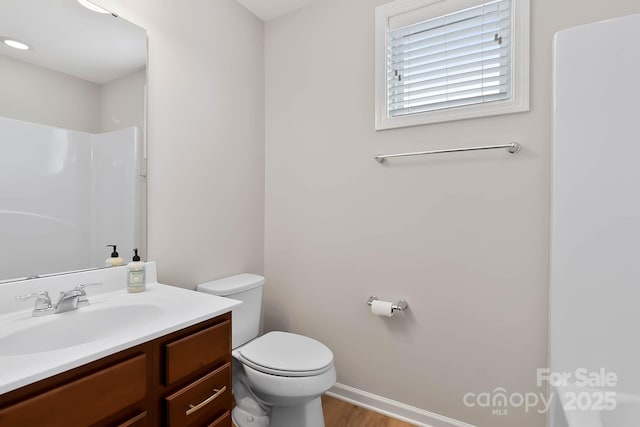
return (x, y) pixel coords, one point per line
(391, 408)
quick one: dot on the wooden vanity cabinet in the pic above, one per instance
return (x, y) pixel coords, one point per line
(180, 379)
(195, 384)
(112, 388)
(140, 420)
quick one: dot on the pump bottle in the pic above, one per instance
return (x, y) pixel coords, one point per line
(114, 260)
(136, 281)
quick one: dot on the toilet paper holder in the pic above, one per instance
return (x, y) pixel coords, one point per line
(399, 306)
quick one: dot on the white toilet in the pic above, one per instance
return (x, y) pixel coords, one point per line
(278, 378)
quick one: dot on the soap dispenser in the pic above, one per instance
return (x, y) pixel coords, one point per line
(136, 281)
(114, 260)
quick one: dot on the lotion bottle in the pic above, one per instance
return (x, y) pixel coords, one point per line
(114, 260)
(136, 281)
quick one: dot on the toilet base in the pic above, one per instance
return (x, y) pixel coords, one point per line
(242, 418)
(307, 415)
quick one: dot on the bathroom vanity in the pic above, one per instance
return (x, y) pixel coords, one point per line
(167, 365)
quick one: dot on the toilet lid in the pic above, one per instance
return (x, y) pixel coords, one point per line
(287, 354)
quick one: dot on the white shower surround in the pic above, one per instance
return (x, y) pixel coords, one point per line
(64, 195)
(595, 246)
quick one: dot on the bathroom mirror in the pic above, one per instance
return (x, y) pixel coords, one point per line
(72, 137)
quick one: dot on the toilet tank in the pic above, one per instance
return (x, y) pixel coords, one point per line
(246, 287)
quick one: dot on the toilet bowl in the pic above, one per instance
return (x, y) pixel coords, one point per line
(278, 377)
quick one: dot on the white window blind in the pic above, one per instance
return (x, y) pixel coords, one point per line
(458, 59)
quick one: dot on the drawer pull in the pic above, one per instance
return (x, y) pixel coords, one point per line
(216, 394)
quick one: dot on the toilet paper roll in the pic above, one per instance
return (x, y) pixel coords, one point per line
(382, 308)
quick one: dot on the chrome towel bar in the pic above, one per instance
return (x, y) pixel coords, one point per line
(512, 148)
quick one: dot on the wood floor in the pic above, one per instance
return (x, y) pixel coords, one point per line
(342, 414)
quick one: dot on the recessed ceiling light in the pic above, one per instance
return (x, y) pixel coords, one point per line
(92, 6)
(15, 44)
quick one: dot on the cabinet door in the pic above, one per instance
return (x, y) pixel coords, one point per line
(202, 401)
(84, 401)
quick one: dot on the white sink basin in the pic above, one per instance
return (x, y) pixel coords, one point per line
(76, 327)
(35, 348)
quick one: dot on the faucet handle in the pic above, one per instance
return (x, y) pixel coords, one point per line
(82, 299)
(43, 303)
(84, 285)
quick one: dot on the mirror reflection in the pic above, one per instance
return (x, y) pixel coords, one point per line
(72, 120)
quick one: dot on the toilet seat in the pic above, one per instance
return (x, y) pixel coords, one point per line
(286, 354)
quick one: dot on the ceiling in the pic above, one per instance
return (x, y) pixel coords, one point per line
(71, 39)
(272, 9)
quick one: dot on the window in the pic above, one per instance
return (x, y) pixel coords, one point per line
(442, 60)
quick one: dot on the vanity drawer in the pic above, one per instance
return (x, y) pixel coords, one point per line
(200, 349)
(84, 401)
(201, 401)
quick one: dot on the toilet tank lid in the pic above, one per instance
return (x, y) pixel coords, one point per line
(232, 285)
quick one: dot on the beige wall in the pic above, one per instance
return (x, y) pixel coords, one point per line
(40, 95)
(205, 137)
(463, 237)
(122, 102)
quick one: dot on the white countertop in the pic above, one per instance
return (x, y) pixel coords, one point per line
(162, 310)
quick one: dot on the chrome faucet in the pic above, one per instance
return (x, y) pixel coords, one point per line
(43, 303)
(82, 299)
(69, 300)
